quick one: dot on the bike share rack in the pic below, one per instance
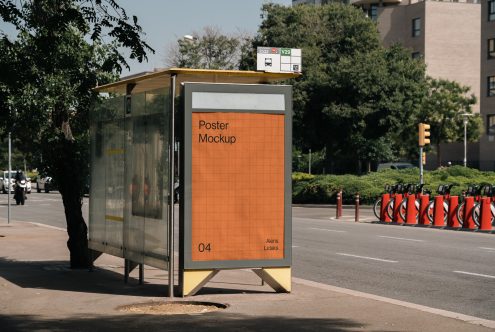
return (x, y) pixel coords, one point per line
(415, 216)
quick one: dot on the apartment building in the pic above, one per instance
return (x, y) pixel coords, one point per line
(447, 35)
(487, 95)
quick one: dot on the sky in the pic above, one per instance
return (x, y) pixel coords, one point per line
(165, 21)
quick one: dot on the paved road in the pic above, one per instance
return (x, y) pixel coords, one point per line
(42, 208)
(443, 269)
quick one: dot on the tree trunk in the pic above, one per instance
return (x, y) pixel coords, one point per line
(77, 230)
(439, 155)
(70, 183)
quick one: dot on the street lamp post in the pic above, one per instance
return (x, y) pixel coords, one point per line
(465, 120)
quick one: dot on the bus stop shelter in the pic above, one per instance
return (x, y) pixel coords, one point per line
(226, 136)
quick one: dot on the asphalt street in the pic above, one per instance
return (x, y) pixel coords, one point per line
(445, 269)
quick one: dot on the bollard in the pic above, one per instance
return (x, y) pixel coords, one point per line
(438, 212)
(397, 202)
(485, 214)
(411, 211)
(452, 220)
(338, 212)
(383, 213)
(468, 222)
(424, 200)
(356, 214)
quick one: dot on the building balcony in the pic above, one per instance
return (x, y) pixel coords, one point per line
(373, 2)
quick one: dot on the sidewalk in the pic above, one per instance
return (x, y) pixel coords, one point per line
(38, 292)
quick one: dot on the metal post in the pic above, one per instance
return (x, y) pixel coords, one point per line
(420, 165)
(141, 274)
(465, 141)
(356, 213)
(10, 179)
(171, 190)
(309, 163)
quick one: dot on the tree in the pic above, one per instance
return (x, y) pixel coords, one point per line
(59, 55)
(443, 108)
(354, 97)
(207, 50)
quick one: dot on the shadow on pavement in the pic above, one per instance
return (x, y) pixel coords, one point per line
(56, 275)
(218, 321)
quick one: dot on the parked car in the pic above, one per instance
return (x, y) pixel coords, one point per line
(5, 181)
(28, 185)
(44, 183)
(397, 165)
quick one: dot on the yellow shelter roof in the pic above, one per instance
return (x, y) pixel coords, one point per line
(161, 79)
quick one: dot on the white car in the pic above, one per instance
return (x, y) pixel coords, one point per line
(43, 183)
(5, 180)
(28, 185)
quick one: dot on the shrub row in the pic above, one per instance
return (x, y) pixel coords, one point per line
(322, 189)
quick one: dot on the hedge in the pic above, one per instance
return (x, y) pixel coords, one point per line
(322, 189)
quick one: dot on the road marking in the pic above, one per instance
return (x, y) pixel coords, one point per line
(47, 226)
(475, 274)
(400, 238)
(492, 249)
(350, 218)
(366, 257)
(328, 230)
(435, 311)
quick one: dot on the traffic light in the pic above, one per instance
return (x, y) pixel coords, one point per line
(424, 134)
(423, 158)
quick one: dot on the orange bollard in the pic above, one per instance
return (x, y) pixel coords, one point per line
(423, 217)
(438, 212)
(486, 214)
(468, 213)
(383, 213)
(452, 220)
(356, 212)
(338, 211)
(411, 212)
(396, 215)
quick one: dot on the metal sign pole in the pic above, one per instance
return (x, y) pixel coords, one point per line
(171, 190)
(10, 180)
(420, 165)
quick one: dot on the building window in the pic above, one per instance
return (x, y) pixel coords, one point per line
(491, 86)
(490, 124)
(416, 27)
(491, 48)
(416, 55)
(373, 12)
(491, 10)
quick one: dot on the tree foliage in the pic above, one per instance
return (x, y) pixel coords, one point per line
(443, 109)
(355, 98)
(62, 50)
(209, 49)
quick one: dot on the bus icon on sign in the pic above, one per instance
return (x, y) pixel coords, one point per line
(268, 62)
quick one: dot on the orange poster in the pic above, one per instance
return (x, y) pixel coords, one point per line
(237, 186)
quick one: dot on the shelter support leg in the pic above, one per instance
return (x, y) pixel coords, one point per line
(278, 278)
(194, 280)
(128, 267)
(93, 255)
(141, 274)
